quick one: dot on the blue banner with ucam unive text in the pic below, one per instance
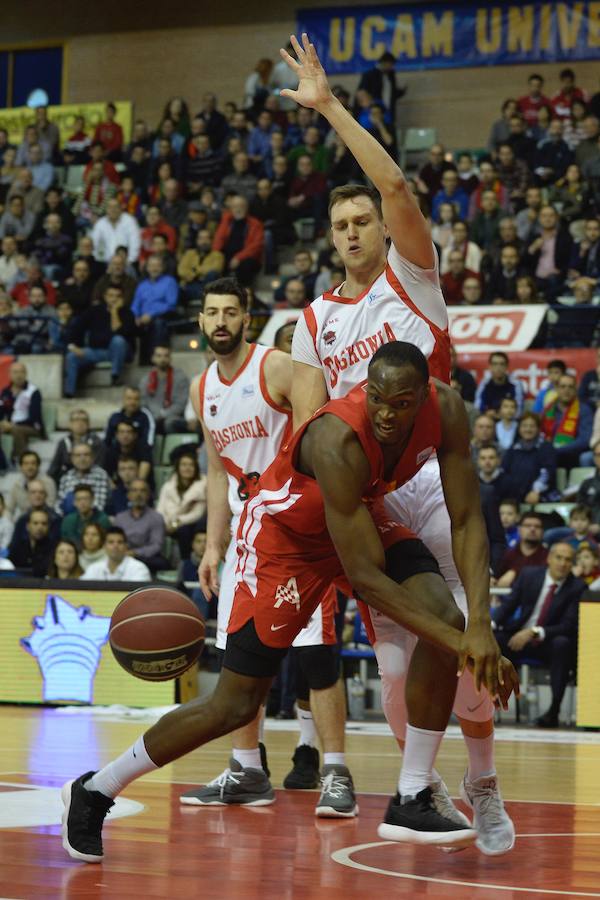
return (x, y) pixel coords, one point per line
(453, 35)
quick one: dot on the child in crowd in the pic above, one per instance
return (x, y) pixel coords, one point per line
(506, 426)
(587, 563)
(578, 533)
(509, 516)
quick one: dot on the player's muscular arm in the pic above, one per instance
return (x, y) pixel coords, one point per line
(309, 392)
(408, 227)
(342, 471)
(278, 375)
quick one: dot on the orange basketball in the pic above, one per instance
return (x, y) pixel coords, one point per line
(156, 633)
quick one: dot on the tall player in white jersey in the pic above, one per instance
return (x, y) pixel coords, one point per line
(243, 403)
(393, 295)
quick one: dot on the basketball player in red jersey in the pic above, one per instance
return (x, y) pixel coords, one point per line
(318, 516)
(393, 294)
(243, 403)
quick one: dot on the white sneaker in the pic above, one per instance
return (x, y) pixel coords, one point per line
(495, 830)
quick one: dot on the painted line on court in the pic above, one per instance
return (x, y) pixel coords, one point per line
(344, 858)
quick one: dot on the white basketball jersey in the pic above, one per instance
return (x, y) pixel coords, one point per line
(346, 332)
(245, 423)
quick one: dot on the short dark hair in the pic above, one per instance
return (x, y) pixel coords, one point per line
(32, 512)
(349, 191)
(29, 453)
(498, 353)
(531, 515)
(510, 501)
(83, 487)
(114, 529)
(535, 75)
(567, 73)
(557, 364)
(581, 510)
(529, 414)
(224, 286)
(401, 353)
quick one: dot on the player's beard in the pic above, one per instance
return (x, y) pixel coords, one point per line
(224, 348)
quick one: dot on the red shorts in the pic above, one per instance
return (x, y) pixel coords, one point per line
(287, 588)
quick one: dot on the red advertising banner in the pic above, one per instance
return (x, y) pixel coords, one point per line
(481, 329)
(529, 366)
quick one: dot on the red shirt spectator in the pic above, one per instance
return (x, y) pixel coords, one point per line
(530, 105)
(254, 238)
(109, 133)
(562, 101)
(20, 292)
(109, 171)
(155, 225)
(452, 281)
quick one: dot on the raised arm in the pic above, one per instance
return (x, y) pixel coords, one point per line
(218, 513)
(407, 226)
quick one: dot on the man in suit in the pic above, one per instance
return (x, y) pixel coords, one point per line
(539, 621)
(380, 83)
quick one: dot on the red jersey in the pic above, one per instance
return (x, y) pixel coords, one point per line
(283, 541)
(529, 107)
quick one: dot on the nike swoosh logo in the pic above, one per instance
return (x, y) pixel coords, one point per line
(277, 627)
(472, 709)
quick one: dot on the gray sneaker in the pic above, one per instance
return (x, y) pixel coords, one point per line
(444, 805)
(337, 798)
(234, 786)
(495, 830)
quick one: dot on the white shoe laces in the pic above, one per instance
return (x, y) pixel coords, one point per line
(227, 776)
(335, 785)
(489, 802)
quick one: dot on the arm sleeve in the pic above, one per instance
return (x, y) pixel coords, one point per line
(303, 346)
(422, 286)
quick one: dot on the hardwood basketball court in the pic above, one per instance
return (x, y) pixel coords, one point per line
(156, 848)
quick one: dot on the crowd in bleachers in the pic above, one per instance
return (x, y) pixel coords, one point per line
(107, 245)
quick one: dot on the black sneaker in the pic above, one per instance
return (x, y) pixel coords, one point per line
(263, 759)
(415, 820)
(305, 775)
(82, 820)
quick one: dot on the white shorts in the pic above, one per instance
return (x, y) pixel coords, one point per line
(310, 636)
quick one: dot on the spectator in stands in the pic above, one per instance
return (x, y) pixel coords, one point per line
(312, 146)
(587, 564)
(214, 120)
(579, 532)
(553, 157)
(528, 552)
(527, 291)
(451, 192)
(6, 529)
(530, 464)
(116, 276)
(182, 502)
(484, 435)
(507, 235)
(104, 333)
(16, 220)
(109, 134)
(144, 527)
(189, 572)
(154, 300)
(308, 192)
(42, 171)
(485, 224)
(567, 423)
(441, 230)
(93, 196)
(65, 562)
(116, 229)
(472, 292)
(127, 471)
(513, 174)
(568, 195)
(258, 85)
(258, 145)
(199, 265)
(241, 181)
(547, 392)
(240, 238)
(20, 409)
(85, 250)
(488, 181)
(19, 501)
(501, 286)
(506, 426)
(490, 471)
(467, 173)
(173, 208)
(430, 176)
(92, 545)
(116, 564)
(380, 83)
(55, 203)
(585, 256)
(30, 138)
(587, 149)
(76, 149)
(164, 391)
(61, 329)
(460, 242)
(509, 516)
(9, 265)
(132, 412)
(83, 471)
(588, 493)
(154, 226)
(37, 498)
(526, 219)
(79, 433)
(304, 270)
(34, 553)
(496, 384)
(127, 445)
(563, 99)
(453, 280)
(529, 105)
(55, 249)
(295, 296)
(524, 146)
(33, 332)
(284, 336)
(23, 186)
(77, 289)
(47, 131)
(271, 209)
(204, 167)
(589, 387)
(539, 620)
(85, 512)
(547, 257)
(500, 128)
(463, 377)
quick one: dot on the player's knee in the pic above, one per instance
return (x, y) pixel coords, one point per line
(446, 607)
(392, 661)
(319, 666)
(236, 699)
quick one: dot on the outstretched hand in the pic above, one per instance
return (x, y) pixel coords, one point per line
(313, 88)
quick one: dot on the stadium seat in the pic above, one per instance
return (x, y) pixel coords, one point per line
(579, 474)
(416, 140)
(563, 509)
(561, 479)
(171, 441)
(157, 449)
(161, 474)
(73, 180)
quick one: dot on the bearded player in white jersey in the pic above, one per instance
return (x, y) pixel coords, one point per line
(386, 296)
(243, 403)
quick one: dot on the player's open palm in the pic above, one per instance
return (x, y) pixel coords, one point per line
(208, 572)
(313, 88)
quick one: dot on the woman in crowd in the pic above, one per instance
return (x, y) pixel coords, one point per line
(182, 502)
(92, 544)
(65, 563)
(573, 131)
(527, 291)
(441, 231)
(567, 195)
(178, 112)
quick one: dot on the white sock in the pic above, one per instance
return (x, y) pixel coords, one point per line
(248, 759)
(111, 780)
(420, 750)
(334, 759)
(308, 732)
(481, 756)
(435, 777)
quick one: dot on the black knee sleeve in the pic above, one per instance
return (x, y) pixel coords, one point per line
(317, 667)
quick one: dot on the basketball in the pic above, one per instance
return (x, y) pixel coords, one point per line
(156, 633)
